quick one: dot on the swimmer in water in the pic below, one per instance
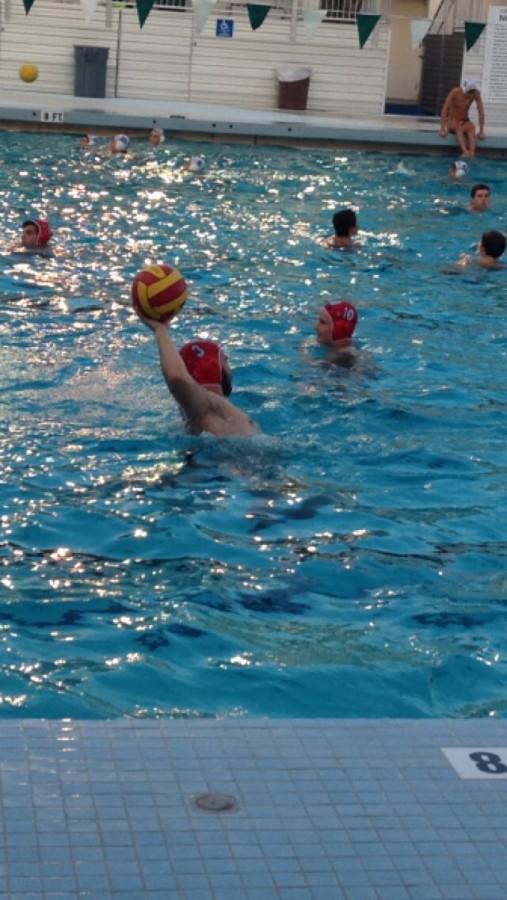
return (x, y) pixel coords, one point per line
(156, 136)
(335, 326)
(491, 247)
(120, 143)
(480, 195)
(345, 228)
(459, 169)
(195, 164)
(199, 378)
(36, 235)
(89, 140)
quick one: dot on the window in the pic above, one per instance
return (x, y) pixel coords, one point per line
(341, 10)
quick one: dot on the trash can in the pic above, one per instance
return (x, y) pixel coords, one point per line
(90, 66)
(293, 84)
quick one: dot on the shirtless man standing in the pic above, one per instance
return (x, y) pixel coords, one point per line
(454, 117)
(199, 378)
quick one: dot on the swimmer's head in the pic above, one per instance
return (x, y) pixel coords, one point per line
(89, 140)
(492, 244)
(336, 322)
(35, 233)
(195, 164)
(157, 136)
(459, 169)
(208, 365)
(120, 143)
(480, 195)
(470, 85)
(345, 223)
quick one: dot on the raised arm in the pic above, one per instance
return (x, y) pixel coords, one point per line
(444, 115)
(193, 399)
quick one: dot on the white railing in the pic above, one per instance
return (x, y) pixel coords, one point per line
(451, 15)
(343, 11)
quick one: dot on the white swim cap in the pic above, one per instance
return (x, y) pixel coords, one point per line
(461, 168)
(91, 140)
(160, 132)
(196, 164)
(470, 84)
(121, 143)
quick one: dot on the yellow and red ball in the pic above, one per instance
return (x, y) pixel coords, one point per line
(159, 292)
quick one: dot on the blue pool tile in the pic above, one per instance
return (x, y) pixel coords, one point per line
(325, 893)
(458, 892)
(361, 893)
(159, 882)
(393, 892)
(427, 892)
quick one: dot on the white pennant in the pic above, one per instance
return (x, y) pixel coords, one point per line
(88, 7)
(419, 29)
(202, 9)
(312, 19)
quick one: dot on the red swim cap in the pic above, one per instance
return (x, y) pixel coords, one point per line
(44, 232)
(344, 316)
(204, 361)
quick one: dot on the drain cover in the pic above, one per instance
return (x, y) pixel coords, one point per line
(215, 803)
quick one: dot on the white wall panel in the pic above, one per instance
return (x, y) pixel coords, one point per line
(167, 60)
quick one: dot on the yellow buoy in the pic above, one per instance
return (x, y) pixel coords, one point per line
(28, 72)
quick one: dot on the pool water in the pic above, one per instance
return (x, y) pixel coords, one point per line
(349, 561)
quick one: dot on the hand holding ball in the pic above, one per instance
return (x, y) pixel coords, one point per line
(28, 72)
(159, 292)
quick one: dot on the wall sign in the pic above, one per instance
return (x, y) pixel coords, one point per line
(51, 115)
(478, 762)
(225, 28)
(494, 78)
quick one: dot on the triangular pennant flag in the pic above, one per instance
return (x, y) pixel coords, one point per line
(143, 10)
(202, 10)
(365, 24)
(257, 14)
(28, 5)
(312, 19)
(88, 7)
(473, 31)
(419, 29)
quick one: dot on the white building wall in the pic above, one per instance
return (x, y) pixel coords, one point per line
(473, 67)
(46, 37)
(167, 60)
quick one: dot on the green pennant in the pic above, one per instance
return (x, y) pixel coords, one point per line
(473, 31)
(28, 5)
(257, 14)
(143, 10)
(365, 24)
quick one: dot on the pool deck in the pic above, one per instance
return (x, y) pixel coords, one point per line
(406, 133)
(322, 809)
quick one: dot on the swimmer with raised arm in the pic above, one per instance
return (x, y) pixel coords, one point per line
(454, 116)
(200, 379)
(345, 229)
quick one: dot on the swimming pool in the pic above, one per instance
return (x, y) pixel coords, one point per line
(348, 562)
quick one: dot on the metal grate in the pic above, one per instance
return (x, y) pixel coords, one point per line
(341, 10)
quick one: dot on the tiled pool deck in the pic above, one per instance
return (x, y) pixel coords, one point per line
(408, 133)
(327, 810)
